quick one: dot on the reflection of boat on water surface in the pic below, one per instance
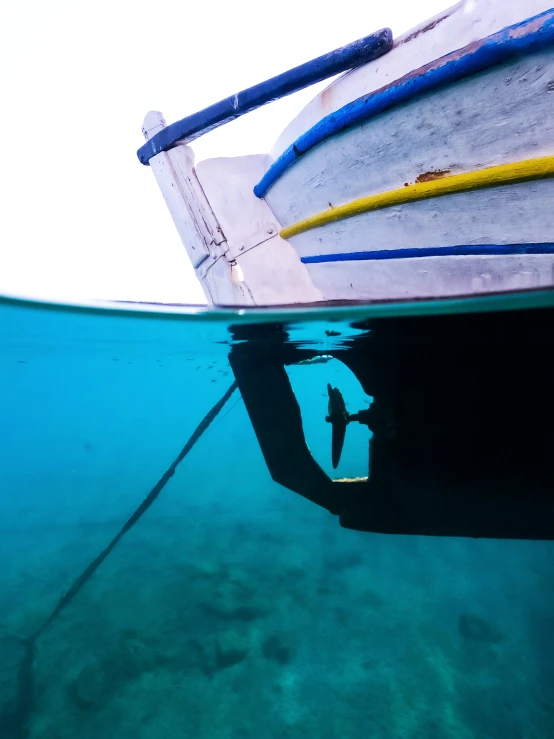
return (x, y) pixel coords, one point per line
(424, 171)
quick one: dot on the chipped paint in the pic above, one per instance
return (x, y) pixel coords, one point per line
(501, 174)
(520, 31)
(433, 174)
(419, 31)
(527, 37)
(326, 98)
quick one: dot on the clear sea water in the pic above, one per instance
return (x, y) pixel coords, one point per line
(234, 609)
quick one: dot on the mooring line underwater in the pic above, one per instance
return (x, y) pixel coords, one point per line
(14, 723)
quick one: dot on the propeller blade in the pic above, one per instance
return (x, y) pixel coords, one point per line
(337, 443)
(338, 418)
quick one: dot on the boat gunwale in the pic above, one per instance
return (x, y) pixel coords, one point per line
(517, 40)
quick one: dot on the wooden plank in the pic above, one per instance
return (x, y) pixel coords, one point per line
(221, 249)
(191, 213)
(271, 271)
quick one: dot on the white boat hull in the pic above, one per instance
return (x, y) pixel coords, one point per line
(474, 154)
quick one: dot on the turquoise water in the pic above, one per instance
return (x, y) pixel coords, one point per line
(234, 608)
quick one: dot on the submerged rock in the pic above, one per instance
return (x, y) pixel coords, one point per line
(274, 648)
(230, 650)
(228, 657)
(89, 688)
(240, 613)
(131, 659)
(475, 628)
(98, 681)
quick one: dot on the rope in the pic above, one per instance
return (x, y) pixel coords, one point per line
(16, 721)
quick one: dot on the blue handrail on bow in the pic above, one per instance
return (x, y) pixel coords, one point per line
(190, 128)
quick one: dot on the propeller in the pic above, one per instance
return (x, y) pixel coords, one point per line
(339, 418)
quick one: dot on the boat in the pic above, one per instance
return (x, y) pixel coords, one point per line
(395, 241)
(424, 170)
(403, 217)
(421, 175)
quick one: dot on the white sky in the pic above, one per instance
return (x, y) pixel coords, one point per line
(79, 216)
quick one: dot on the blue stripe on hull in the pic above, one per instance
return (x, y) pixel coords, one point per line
(530, 36)
(487, 250)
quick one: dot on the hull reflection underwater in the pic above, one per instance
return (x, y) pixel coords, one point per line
(461, 435)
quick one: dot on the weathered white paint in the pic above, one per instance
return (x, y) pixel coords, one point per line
(195, 223)
(281, 278)
(503, 115)
(245, 219)
(500, 116)
(272, 270)
(218, 281)
(220, 222)
(511, 214)
(468, 21)
(431, 276)
(174, 171)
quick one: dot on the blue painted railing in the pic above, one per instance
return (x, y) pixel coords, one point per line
(189, 128)
(532, 35)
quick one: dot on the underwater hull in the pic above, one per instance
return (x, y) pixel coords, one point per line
(461, 438)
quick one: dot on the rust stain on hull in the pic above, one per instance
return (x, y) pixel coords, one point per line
(434, 174)
(530, 27)
(425, 29)
(327, 101)
(465, 51)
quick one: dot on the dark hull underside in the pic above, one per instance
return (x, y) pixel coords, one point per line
(462, 440)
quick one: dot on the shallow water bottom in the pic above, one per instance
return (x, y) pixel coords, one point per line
(226, 628)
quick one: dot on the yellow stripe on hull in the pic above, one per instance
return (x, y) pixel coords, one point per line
(502, 174)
